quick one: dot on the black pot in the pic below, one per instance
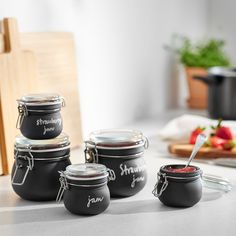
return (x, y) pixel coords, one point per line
(121, 151)
(178, 189)
(37, 162)
(39, 116)
(84, 189)
(221, 92)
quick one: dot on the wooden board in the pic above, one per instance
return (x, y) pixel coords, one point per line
(18, 75)
(1, 169)
(41, 63)
(184, 150)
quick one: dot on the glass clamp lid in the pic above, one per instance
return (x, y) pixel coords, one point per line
(117, 138)
(56, 144)
(216, 182)
(41, 99)
(86, 171)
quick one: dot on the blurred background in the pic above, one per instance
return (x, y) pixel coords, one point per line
(125, 72)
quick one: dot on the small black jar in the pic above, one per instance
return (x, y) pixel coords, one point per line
(178, 189)
(39, 115)
(37, 162)
(84, 189)
(121, 151)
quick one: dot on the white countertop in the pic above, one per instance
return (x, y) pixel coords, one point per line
(141, 214)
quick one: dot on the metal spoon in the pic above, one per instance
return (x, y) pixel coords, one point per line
(201, 139)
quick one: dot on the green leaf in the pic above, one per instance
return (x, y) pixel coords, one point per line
(203, 54)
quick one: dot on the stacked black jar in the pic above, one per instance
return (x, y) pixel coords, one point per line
(42, 150)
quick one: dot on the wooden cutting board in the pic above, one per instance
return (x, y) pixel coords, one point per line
(41, 63)
(18, 75)
(184, 150)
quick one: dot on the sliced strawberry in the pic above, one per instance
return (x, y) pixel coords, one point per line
(223, 131)
(216, 142)
(195, 133)
(229, 144)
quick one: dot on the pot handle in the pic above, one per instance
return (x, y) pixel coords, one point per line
(204, 79)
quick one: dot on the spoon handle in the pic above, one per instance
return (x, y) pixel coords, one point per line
(201, 138)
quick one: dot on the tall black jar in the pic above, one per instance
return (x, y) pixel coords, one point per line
(121, 151)
(178, 189)
(37, 162)
(84, 189)
(39, 115)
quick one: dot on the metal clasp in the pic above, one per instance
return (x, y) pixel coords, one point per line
(63, 187)
(146, 142)
(164, 185)
(29, 166)
(111, 174)
(92, 153)
(63, 102)
(22, 110)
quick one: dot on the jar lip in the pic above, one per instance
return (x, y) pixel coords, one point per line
(41, 99)
(59, 143)
(116, 138)
(86, 171)
(115, 147)
(164, 169)
(136, 155)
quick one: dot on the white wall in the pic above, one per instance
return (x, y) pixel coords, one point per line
(124, 72)
(222, 24)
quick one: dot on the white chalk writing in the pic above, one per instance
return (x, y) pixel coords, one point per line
(131, 170)
(47, 122)
(136, 180)
(94, 200)
(46, 130)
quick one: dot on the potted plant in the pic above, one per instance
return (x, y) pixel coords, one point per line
(197, 58)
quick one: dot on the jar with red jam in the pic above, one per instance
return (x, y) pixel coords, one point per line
(121, 151)
(178, 186)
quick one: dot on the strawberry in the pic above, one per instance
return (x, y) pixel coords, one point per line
(223, 131)
(195, 133)
(229, 144)
(216, 142)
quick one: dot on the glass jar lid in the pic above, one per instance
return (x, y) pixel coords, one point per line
(59, 143)
(41, 99)
(216, 182)
(117, 138)
(86, 171)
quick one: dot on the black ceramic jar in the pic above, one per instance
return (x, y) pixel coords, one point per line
(121, 151)
(84, 189)
(178, 189)
(37, 162)
(39, 115)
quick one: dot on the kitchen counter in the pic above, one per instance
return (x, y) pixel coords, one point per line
(141, 214)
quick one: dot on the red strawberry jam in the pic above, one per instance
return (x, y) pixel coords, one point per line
(182, 170)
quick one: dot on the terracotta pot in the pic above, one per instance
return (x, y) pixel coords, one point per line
(198, 91)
